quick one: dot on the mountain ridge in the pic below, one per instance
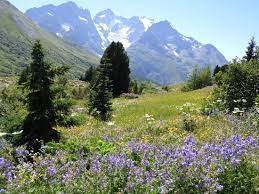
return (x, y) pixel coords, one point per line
(144, 39)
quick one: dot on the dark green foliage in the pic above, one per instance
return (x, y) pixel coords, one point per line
(62, 101)
(188, 124)
(199, 78)
(257, 53)
(166, 88)
(218, 69)
(136, 88)
(89, 75)
(45, 100)
(79, 92)
(219, 73)
(257, 98)
(70, 121)
(116, 55)
(241, 179)
(239, 82)
(251, 50)
(100, 93)
(239, 85)
(12, 109)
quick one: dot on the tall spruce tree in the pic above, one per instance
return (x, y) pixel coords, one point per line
(38, 79)
(116, 55)
(100, 93)
(251, 50)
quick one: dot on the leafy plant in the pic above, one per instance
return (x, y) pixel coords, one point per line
(188, 123)
(199, 78)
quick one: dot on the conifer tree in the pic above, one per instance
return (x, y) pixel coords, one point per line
(38, 79)
(116, 55)
(251, 50)
(100, 93)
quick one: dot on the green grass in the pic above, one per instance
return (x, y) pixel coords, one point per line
(130, 113)
(129, 122)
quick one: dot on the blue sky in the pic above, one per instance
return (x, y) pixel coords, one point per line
(227, 24)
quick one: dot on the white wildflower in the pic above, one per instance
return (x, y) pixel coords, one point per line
(2, 134)
(244, 100)
(17, 133)
(111, 123)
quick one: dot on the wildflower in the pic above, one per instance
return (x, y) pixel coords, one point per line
(51, 171)
(111, 123)
(2, 134)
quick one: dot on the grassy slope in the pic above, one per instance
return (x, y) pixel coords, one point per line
(130, 122)
(17, 34)
(129, 113)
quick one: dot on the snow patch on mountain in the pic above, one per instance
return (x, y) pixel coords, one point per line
(116, 28)
(146, 22)
(82, 19)
(59, 35)
(121, 36)
(66, 27)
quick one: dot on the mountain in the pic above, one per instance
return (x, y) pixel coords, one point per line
(117, 28)
(157, 51)
(165, 56)
(79, 27)
(17, 35)
(69, 22)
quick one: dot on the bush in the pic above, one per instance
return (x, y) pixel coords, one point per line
(71, 121)
(214, 104)
(239, 85)
(199, 78)
(188, 123)
(12, 109)
(166, 88)
(136, 88)
(251, 121)
(240, 180)
(79, 93)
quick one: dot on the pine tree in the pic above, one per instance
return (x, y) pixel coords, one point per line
(251, 50)
(116, 55)
(100, 93)
(38, 79)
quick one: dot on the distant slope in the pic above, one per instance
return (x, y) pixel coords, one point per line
(17, 35)
(165, 56)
